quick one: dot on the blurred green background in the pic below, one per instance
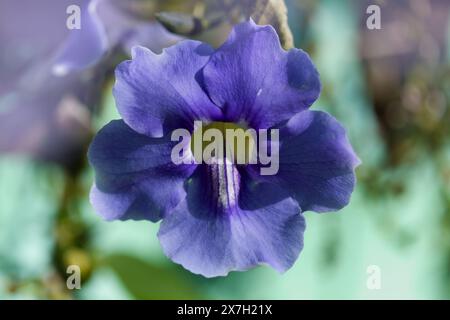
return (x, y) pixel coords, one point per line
(391, 90)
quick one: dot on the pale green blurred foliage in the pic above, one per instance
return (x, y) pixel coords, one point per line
(398, 219)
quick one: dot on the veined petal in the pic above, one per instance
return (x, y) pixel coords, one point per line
(316, 162)
(229, 223)
(157, 93)
(135, 178)
(257, 82)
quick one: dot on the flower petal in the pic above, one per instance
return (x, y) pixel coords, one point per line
(85, 46)
(157, 93)
(317, 163)
(135, 178)
(213, 231)
(254, 80)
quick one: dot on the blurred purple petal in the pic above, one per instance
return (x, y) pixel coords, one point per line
(24, 45)
(44, 114)
(85, 46)
(51, 121)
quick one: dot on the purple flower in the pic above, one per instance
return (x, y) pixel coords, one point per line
(221, 217)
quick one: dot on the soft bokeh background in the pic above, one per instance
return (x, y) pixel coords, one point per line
(390, 88)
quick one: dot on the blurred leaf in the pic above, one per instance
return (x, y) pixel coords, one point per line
(147, 281)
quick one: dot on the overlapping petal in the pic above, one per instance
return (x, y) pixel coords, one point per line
(156, 93)
(316, 162)
(256, 82)
(135, 178)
